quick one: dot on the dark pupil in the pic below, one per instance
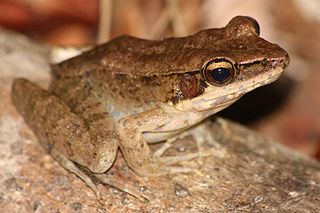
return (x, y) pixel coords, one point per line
(220, 74)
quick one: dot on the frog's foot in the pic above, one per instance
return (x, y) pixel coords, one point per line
(71, 167)
(169, 143)
(148, 165)
(122, 186)
(93, 179)
(201, 134)
(164, 164)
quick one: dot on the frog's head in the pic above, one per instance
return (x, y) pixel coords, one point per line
(239, 62)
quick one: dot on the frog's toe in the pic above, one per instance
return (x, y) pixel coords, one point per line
(175, 170)
(168, 160)
(122, 186)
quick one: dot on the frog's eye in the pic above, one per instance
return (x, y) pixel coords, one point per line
(218, 72)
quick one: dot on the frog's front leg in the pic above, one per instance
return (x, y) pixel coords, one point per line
(136, 150)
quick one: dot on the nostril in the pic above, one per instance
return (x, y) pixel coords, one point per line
(275, 63)
(283, 62)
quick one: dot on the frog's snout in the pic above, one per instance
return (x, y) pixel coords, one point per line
(282, 62)
(286, 61)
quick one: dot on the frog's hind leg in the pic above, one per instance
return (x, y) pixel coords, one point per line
(61, 132)
(92, 179)
(57, 126)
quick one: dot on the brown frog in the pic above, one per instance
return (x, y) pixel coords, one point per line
(130, 92)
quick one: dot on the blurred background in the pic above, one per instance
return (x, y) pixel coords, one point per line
(288, 110)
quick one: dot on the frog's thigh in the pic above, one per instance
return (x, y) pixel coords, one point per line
(60, 129)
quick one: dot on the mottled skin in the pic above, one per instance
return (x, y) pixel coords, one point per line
(130, 91)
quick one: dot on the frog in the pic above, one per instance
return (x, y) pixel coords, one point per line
(132, 92)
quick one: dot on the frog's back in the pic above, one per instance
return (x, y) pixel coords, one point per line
(135, 57)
